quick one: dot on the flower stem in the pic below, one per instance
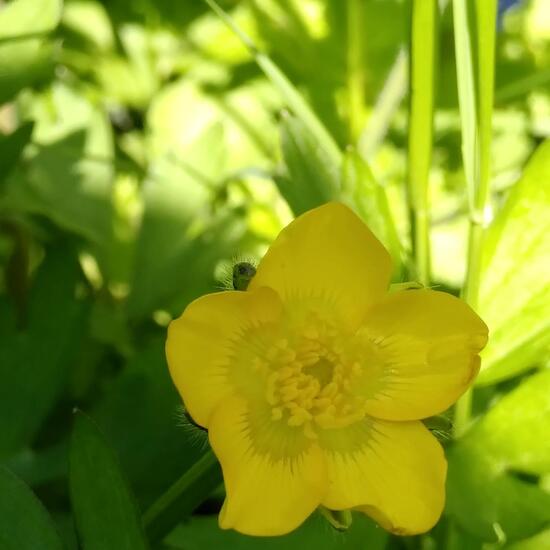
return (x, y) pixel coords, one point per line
(422, 67)
(476, 102)
(182, 497)
(355, 69)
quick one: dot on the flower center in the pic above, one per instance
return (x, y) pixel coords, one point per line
(309, 380)
(323, 370)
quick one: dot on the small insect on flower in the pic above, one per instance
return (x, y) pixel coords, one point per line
(314, 381)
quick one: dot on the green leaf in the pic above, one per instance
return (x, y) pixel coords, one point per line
(312, 179)
(458, 539)
(515, 291)
(24, 523)
(11, 148)
(68, 176)
(537, 542)
(106, 515)
(180, 241)
(24, 63)
(34, 362)
(26, 56)
(22, 17)
(203, 532)
(187, 492)
(145, 380)
(495, 468)
(368, 198)
(169, 472)
(288, 91)
(517, 429)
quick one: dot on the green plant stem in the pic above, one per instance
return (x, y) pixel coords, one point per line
(477, 102)
(182, 497)
(420, 223)
(355, 71)
(387, 103)
(422, 63)
(466, 92)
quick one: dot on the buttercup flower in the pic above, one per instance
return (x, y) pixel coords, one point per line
(313, 381)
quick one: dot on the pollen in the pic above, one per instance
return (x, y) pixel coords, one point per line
(310, 379)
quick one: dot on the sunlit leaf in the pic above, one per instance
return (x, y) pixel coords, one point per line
(22, 17)
(291, 95)
(495, 468)
(177, 248)
(515, 291)
(68, 175)
(537, 542)
(312, 178)
(25, 54)
(361, 190)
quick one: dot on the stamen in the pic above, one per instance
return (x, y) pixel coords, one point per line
(310, 379)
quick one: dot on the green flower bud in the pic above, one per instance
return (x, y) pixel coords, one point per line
(242, 275)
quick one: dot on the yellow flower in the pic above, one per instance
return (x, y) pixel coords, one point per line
(313, 381)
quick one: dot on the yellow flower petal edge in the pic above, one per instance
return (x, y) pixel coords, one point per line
(311, 382)
(201, 344)
(392, 471)
(327, 255)
(424, 347)
(267, 493)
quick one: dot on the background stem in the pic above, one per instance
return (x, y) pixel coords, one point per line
(355, 72)
(422, 68)
(475, 54)
(182, 497)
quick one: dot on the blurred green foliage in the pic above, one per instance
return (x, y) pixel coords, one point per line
(143, 146)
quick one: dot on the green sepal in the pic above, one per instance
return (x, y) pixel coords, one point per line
(340, 520)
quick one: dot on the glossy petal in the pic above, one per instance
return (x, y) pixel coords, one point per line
(327, 254)
(272, 484)
(424, 354)
(392, 471)
(203, 342)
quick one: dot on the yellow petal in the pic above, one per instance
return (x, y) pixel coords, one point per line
(203, 342)
(272, 483)
(392, 471)
(426, 345)
(327, 254)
